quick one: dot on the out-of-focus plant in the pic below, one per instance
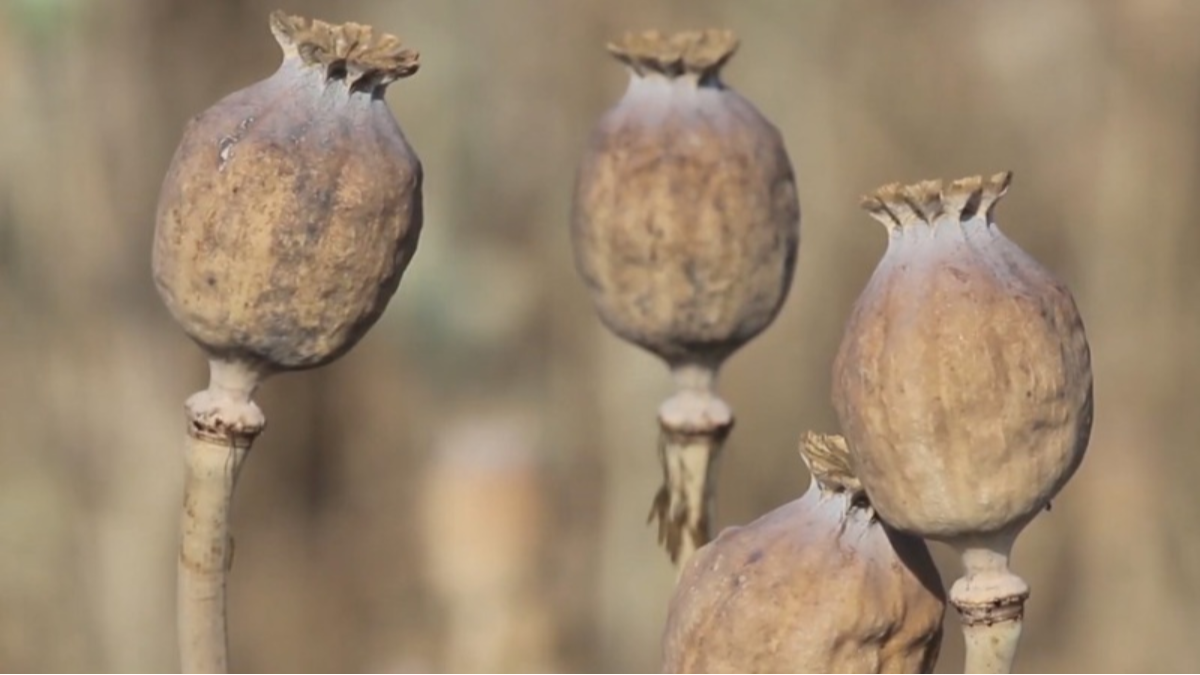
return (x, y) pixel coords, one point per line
(685, 228)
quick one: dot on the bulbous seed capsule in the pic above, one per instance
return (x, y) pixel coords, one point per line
(816, 586)
(685, 228)
(289, 212)
(964, 386)
(293, 206)
(964, 381)
(686, 222)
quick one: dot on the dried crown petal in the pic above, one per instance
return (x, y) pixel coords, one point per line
(963, 196)
(901, 205)
(925, 198)
(891, 200)
(346, 51)
(828, 460)
(875, 206)
(993, 189)
(698, 52)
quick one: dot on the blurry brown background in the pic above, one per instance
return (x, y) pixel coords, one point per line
(467, 490)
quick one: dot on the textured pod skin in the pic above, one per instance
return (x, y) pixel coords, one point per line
(815, 586)
(686, 221)
(292, 207)
(963, 381)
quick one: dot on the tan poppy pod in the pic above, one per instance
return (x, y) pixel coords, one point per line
(818, 585)
(963, 383)
(287, 216)
(686, 221)
(292, 207)
(685, 228)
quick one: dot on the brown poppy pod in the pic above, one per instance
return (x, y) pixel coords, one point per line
(287, 216)
(686, 221)
(292, 207)
(819, 585)
(685, 228)
(963, 383)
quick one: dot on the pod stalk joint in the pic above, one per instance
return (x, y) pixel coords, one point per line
(694, 424)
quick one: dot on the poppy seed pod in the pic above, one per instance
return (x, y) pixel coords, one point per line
(286, 218)
(963, 383)
(685, 228)
(292, 207)
(686, 222)
(816, 586)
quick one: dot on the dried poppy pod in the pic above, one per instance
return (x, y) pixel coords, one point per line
(685, 228)
(287, 216)
(964, 386)
(292, 206)
(818, 585)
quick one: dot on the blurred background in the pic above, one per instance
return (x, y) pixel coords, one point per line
(467, 490)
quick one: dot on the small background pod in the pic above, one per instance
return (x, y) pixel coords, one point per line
(686, 223)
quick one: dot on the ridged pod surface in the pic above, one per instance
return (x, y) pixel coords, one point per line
(686, 221)
(293, 206)
(963, 382)
(815, 586)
